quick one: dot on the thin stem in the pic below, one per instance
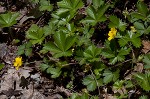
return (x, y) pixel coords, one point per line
(10, 32)
(96, 84)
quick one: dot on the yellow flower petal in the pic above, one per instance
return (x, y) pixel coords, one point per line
(112, 34)
(18, 62)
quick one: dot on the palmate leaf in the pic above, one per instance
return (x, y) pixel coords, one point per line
(110, 76)
(120, 56)
(146, 60)
(107, 53)
(90, 82)
(92, 53)
(55, 72)
(116, 22)
(142, 8)
(43, 67)
(60, 39)
(68, 7)
(115, 56)
(143, 80)
(143, 97)
(61, 45)
(8, 19)
(95, 15)
(97, 3)
(35, 34)
(50, 46)
(134, 38)
(45, 5)
(138, 15)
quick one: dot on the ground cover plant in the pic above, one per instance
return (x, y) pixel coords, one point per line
(92, 49)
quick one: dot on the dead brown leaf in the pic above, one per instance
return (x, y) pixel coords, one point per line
(146, 46)
(139, 67)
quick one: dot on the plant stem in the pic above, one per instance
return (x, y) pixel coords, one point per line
(11, 34)
(100, 96)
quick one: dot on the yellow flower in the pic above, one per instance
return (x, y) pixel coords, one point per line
(112, 34)
(18, 62)
(132, 29)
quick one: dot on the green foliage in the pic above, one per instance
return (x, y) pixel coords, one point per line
(55, 72)
(134, 38)
(110, 76)
(146, 60)
(74, 41)
(92, 82)
(115, 55)
(83, 96)
(35, 34)
(61, 46)
(45, 5)
(118, 84)
(25, 49)
(1, 66)
(8, 19)
(84, 39)
(92, 53)
(68, 8)
(95, 15)
(116, 22)
(143, 80)
(142, 8)
(143, 97)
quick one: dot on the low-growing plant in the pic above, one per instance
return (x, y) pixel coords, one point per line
(68, 45)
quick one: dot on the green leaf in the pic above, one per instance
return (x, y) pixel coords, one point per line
(28, 52)
(55, 72)
(45, 5)
(142, 8)
(108, 53)
(97, 3)
(84, 96)
(68, 7)
(70, 40)
(50, 46)
(110, 76)
(124, 51)
(146, 60)
(8, 19)
(123, 41)
(89, 82)
(61, 46)
(136, 42)
(74, 96)
(114, 21)
(118, 84)
(91, 12)
(134, 38)
(92, 53)
(122, 26)
(1, 66)
(139, 26)
(138, 15)
(35, 34)
(25, 49)
(43, 67)
(60, 39)
(95, 15)
(21, 49)
(143, 80)
(143, 97)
